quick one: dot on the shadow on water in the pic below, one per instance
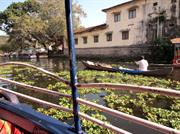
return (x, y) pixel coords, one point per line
(61, 64)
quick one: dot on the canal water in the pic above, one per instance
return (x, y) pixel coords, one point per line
(60, 64)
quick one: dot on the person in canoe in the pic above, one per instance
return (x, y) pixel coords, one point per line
(143, 64)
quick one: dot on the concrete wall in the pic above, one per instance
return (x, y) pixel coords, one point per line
(130, 52)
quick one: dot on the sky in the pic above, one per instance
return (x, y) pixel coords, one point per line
(93, 9)
(3, 5)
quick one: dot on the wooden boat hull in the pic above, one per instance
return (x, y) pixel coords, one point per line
(98, 66)
(30, 121)
(157, 72)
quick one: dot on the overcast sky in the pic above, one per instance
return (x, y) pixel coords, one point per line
(93, 9)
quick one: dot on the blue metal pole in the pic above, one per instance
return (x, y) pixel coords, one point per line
(73, 72)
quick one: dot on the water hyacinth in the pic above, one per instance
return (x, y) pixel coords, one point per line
(157, 108)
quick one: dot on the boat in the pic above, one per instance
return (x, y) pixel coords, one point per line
(106, 67)
(27, 54)
(31, 122)
(41, 53)
(98, 66)
(27, 120)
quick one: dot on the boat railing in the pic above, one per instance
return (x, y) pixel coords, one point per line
(132, 88)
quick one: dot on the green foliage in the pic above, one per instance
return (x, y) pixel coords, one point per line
(7, 48)
(34, 21)
(162, 51)
(160, 42)
(15, 11)
(157, 108)
(59, 115)
(3, 42)
(92, 128)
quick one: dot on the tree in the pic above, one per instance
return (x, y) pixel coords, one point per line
(14, 11)
(40, 21)
(54, 15)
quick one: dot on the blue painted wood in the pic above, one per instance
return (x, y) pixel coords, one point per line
(128, 71)
(73, 72)
(52, 126)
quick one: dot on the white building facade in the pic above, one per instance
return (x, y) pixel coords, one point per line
(129, 25)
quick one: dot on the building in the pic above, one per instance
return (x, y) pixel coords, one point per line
(129, 29)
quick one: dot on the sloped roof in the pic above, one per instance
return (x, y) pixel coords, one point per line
(175, 40)
(90, 29)
(104, 10)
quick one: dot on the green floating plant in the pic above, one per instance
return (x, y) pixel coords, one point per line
(157, 108)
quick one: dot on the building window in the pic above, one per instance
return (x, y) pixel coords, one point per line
(96, 38)
(117, 17)
(76, 41)
(85, 40)
(173, 1)
(132, 13)
(109, 36)
(173, 8)
(125, 35)
(155, 4)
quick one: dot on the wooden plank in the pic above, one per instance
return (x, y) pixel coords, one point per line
(131, 118)
(133, 88)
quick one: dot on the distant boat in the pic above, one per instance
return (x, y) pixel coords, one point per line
(27, 54)
(106, 67)
(41, 53)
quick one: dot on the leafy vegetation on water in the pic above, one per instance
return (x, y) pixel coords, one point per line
(157, 108)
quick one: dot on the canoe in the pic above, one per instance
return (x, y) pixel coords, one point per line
(98, 66)
(106, 67)
(29, 121)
